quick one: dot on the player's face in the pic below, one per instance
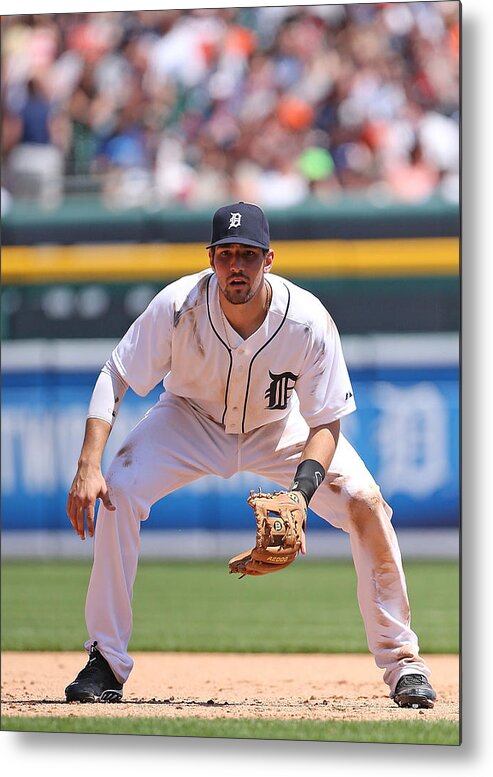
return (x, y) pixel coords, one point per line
(240, 270)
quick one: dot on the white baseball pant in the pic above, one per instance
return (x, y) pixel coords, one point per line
(172, 446)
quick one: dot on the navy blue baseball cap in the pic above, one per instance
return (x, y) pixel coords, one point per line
(242, 223)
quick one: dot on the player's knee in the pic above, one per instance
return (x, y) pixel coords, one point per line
(366, 505)
(123, 487)
(118, 483)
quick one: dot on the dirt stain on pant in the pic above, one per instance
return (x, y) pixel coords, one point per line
(125, 454)
(374, 530)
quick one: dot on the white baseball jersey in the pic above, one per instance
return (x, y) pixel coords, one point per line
(184, 340)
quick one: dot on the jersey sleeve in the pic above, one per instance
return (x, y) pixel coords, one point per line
(143, 355)
(324, 387)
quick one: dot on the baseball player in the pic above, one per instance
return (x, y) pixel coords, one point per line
(255, 380)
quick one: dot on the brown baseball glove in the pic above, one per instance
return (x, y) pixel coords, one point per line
(281, 519)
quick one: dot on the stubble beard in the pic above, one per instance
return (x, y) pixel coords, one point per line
(241, 297)
(242, 294)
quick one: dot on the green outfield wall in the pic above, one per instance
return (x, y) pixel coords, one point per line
(87, 220)
(86, 271)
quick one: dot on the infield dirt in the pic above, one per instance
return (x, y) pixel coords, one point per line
(227, 685)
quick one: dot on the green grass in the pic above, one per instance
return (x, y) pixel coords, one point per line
(198, 606)
(310, 607)
(425, 732)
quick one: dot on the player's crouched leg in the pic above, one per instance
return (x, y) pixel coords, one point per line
(357, 506)
(381, 582)
(116, 554)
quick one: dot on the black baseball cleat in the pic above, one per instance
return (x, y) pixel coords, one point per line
(414, 690)
(96, 682)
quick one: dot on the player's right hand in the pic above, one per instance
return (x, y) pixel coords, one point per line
(88, 486)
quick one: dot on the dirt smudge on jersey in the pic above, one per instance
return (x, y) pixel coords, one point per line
(197, 337)
(195, 297)
(322, 345)
(316, 380)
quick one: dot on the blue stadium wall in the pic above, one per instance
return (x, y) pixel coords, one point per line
(406, 429)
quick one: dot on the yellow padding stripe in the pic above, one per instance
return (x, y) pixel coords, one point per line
(324, 258)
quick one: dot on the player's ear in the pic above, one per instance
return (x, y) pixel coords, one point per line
(268, 259)
(211, 257)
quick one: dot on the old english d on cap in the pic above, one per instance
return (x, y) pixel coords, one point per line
(242, 223)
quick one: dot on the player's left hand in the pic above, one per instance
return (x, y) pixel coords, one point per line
(280, 536)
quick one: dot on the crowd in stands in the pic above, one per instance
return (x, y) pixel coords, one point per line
(274, 105)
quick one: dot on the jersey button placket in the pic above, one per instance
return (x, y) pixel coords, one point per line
(237, 392)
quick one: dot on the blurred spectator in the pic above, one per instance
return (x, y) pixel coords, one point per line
(273, 104)
(412, 179)
(35, 164)
(5, 201)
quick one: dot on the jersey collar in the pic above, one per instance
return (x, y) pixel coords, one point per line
(277, 311)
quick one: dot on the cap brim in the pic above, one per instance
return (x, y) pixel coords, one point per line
(245, 241)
